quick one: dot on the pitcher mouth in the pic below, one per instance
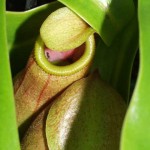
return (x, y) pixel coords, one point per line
(64, 63)
(64, 58)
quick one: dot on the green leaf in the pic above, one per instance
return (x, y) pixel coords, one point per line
(8, 128)
(107, 17)
(115, 62)
(136, 131)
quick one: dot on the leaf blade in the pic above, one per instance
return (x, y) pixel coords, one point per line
(103, 15)
(136, 131)
(8, 127)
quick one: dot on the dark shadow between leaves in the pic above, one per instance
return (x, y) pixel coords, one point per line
(26, 36)
(24, 127)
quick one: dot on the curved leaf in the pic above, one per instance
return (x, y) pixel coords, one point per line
(115, 62)
(8, 128)
(107, 17)
(136, 131)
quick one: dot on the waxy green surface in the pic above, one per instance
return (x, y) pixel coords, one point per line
(115, 62)
(107, 17)
(8, 128)
(136, 131)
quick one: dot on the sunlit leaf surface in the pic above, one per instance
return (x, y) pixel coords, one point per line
(136, 132)
(107, 17)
